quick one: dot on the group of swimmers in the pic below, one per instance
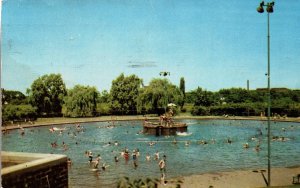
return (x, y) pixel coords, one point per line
(257, 147)
(116, 143)
(125, 153)
(64, 145)
(135, 155)
(108, 126)
(78, 129)
(280, 138)
(95, 163)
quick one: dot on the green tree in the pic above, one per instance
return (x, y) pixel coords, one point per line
(295, 95)
(15, 106)
(13, 112)
(103, 105)
(46, 93)
(182, 89)
(104, 97)
(234, 95)
(81, 101)
(257, 96)
(190, 97)
(203, 97)
(199, 111)
(124, 93)
(155, 97)
(13, 97)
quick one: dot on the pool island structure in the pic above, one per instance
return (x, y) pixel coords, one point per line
(165, 126)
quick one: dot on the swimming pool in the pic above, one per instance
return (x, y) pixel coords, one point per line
(182, 159)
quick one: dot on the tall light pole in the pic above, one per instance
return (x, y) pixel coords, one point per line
(269, 9)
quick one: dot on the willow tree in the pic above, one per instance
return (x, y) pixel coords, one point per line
(46, 93)
(155, 97)
(81, 101)
(124, 93)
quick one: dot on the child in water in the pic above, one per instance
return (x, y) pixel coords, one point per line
(97, 161)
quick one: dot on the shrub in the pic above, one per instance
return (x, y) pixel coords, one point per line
(103, 109)
(199, 111)
(183, 110)
(19, 112)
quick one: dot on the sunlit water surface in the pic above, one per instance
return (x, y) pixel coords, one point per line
(181, 160)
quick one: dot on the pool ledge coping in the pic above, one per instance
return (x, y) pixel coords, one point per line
(29, 161)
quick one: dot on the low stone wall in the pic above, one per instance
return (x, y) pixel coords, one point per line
(34, 170)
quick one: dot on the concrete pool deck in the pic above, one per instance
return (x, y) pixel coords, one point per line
(61, 121)
(280, 177)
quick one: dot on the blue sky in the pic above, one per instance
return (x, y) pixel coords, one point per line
(212, 44)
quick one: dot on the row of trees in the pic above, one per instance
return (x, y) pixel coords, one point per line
(49, 97)
(241, 102)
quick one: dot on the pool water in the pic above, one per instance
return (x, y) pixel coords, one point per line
(182, 159)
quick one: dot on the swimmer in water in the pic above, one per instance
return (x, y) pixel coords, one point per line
(69, 162)
(135, 165)
(162, 179)
(246, 146)
(65, 146)
(151, 143)
(213, 141)
(116, 159)
(229, 141)
(104, 167)
(134, 157)
(97, 161)
(257, 148)
(187, 143)
(137, 152)
(90, 155)
(148, 157)
(162, 165)
(156, 155)
(174, 141)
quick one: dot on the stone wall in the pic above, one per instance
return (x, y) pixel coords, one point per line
(34, 170)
